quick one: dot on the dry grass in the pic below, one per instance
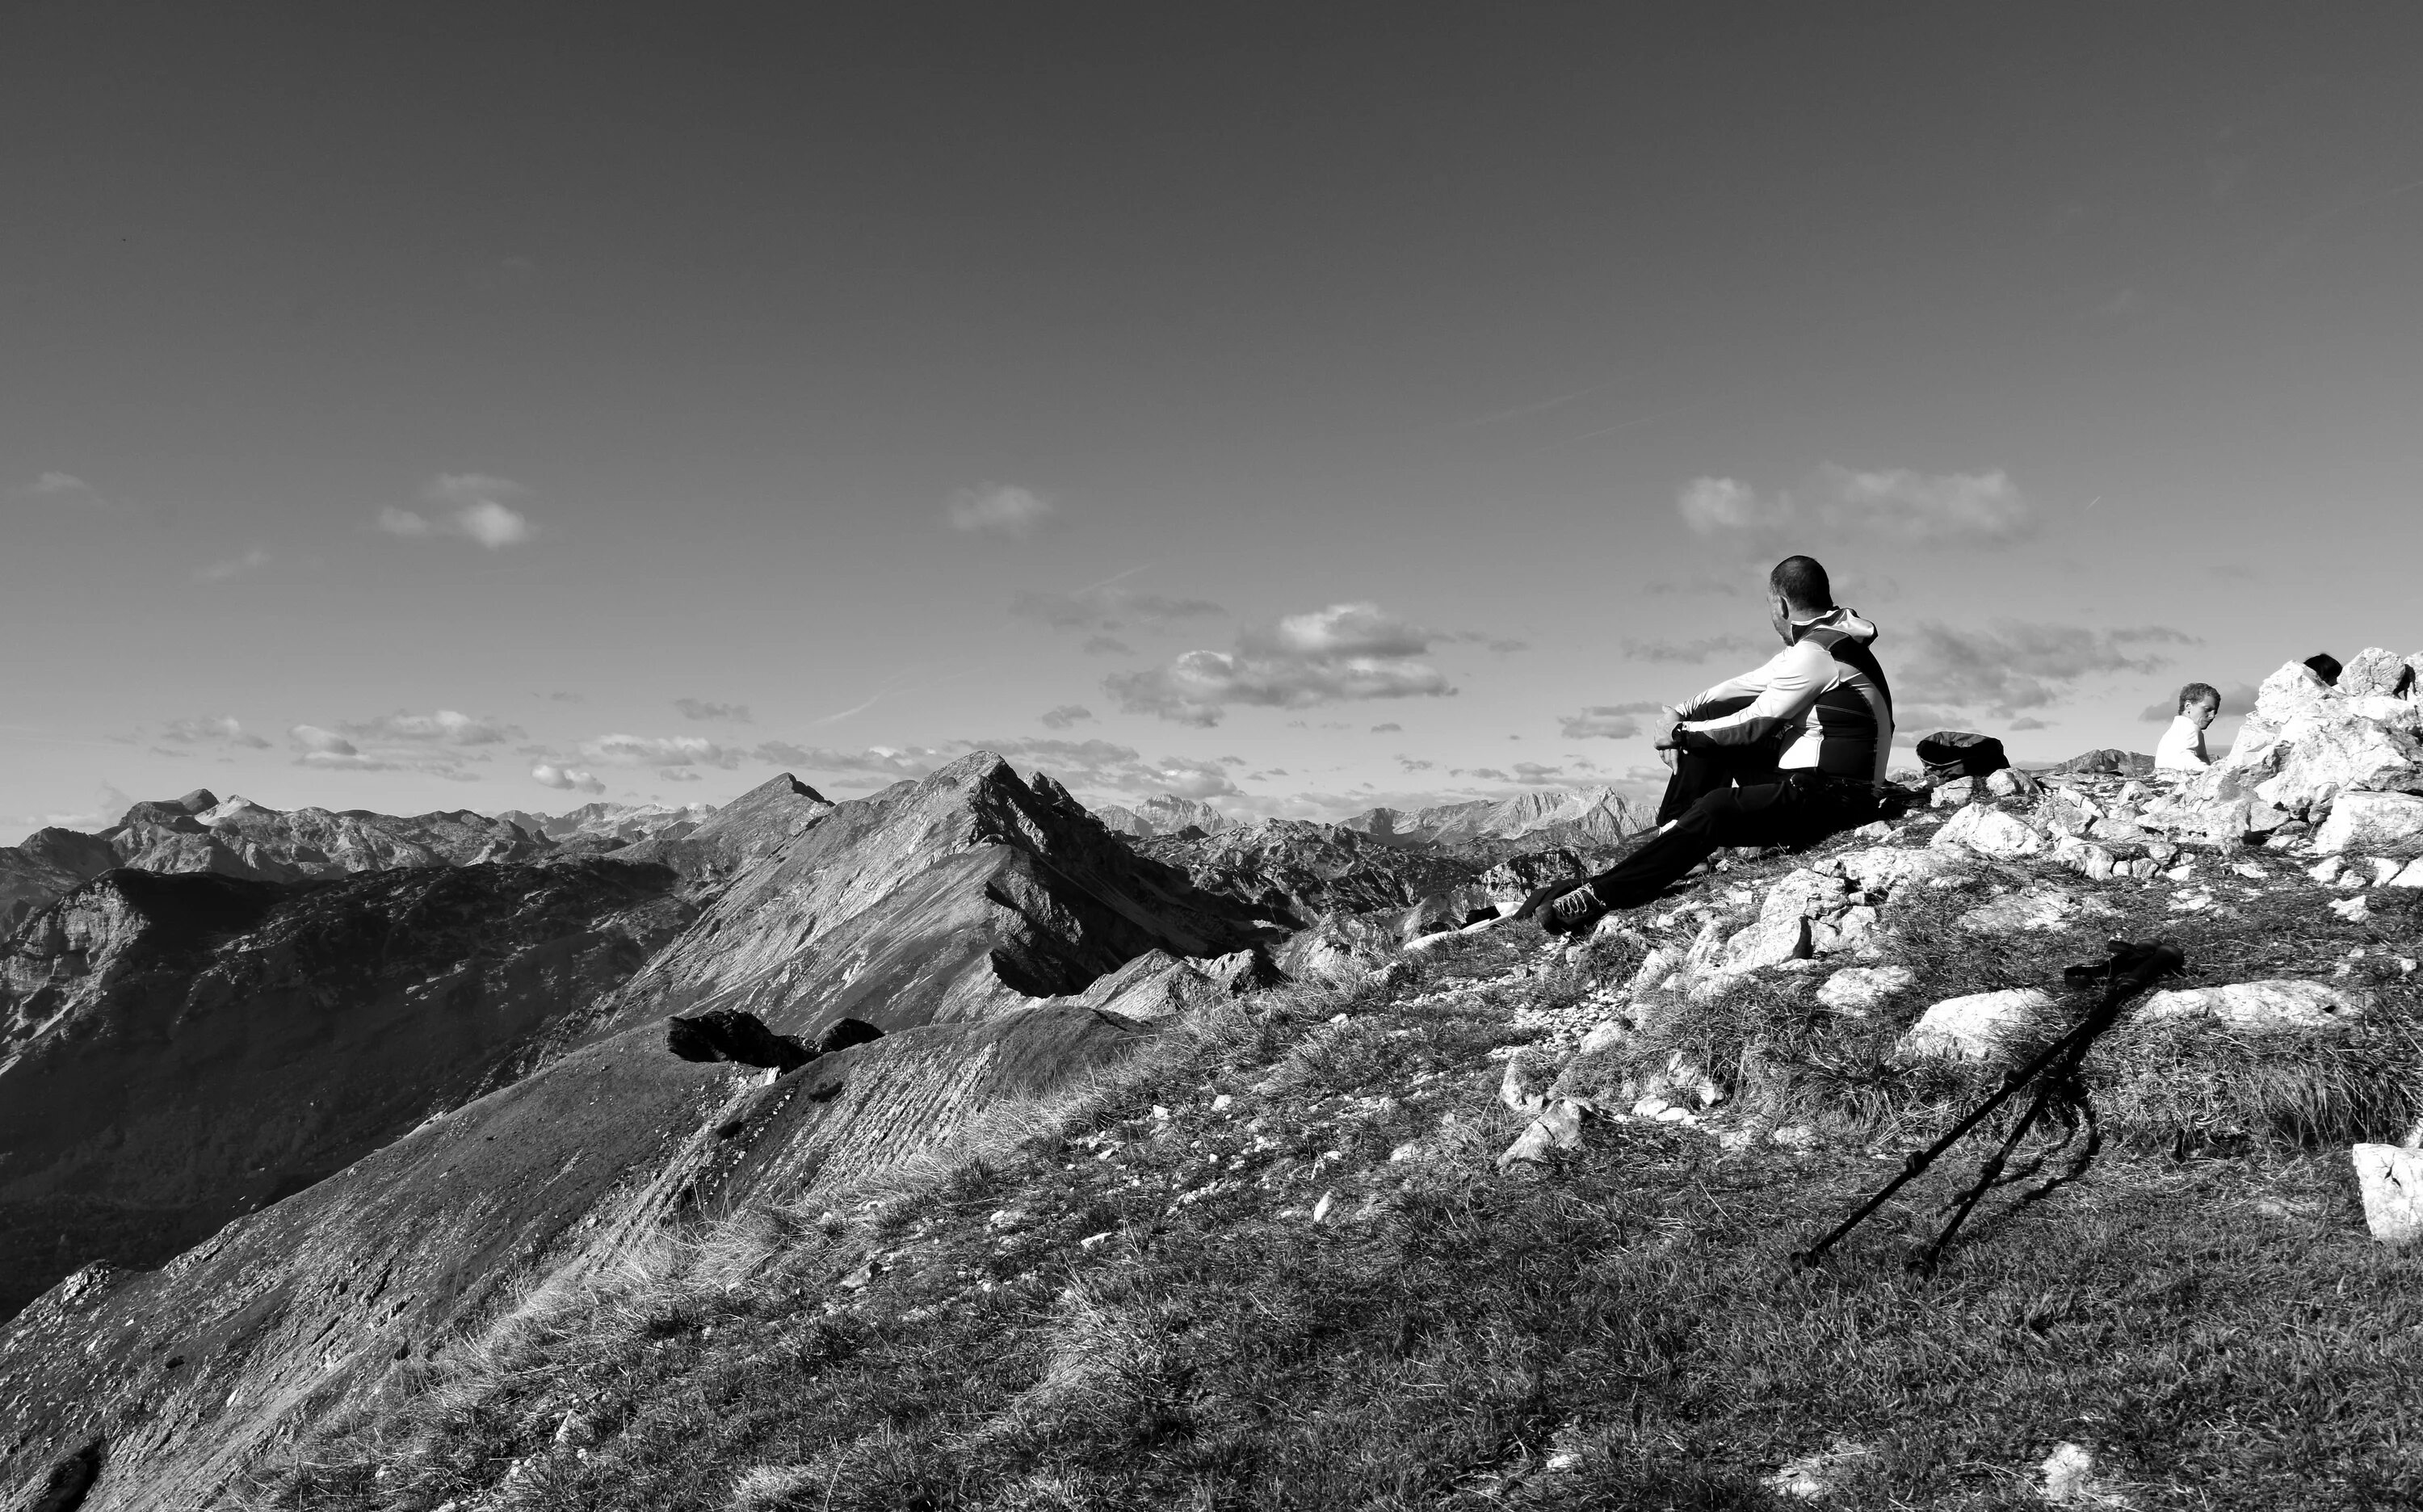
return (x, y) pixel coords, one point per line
(1085, 1305)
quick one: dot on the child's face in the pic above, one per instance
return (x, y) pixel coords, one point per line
(2204, 713)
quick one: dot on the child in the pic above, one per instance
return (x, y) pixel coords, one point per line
(2182, 745)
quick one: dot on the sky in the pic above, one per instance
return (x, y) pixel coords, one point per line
(1296, 407)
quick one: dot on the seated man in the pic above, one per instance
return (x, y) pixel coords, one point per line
(2181, 748)
(1785, 754)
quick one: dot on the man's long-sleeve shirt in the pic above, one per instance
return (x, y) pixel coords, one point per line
(2181, 748)
(1829, 704)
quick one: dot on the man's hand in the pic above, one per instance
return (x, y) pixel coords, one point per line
(1669, 721)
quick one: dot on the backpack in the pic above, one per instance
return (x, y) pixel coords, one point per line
(1950, 755)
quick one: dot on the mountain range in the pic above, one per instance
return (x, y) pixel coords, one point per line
(287, 1100)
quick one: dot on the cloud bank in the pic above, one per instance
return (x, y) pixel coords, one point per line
(1345, 651)
(2011, 666)
(471, 504)
(1890, 504)
(999, 510)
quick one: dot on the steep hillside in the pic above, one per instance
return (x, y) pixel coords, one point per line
(178, 1049)
(938, 910)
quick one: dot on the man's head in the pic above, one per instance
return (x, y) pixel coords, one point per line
(2200, 702)
(1797, 590)
(2326, 667)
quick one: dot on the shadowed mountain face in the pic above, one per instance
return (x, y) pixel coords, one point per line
(176, 1050)
(1293, 872)
(937, 910)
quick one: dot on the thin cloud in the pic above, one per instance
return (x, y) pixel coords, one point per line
(56, 485)
(447, 726)
(1064, 716)
(1106, 646)
(1390, 728)
(701, 708)
(1690, 651)
(1344, 652)
(1893, 503)
(223, 730)
(1107, 606)
(2012, 666)
(471, 504)
(1000, 510)
(659, 751)
(1604, 722)
(222, 571)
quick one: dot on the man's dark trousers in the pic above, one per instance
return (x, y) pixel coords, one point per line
(1708, 811)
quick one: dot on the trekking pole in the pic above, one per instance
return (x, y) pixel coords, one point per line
(2131, 969)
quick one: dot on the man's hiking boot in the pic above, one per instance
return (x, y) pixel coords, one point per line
(1573, 911)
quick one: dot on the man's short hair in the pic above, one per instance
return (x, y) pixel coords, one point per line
(1801, 582)
(2326, 667)
(2199, 693)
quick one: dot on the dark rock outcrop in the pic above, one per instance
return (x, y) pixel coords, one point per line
(727, 1034)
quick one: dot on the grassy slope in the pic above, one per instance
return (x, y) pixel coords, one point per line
(1101, 1307)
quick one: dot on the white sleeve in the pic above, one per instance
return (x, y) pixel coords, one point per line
(1786, 689)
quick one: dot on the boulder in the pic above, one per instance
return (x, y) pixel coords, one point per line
(1970, 1027)
(1525, 1086)
(2411, 876)
(1771, 941)
(1988, 832)
(2287, 693)
(1881, 868)
(1557, 1127)
(730, 1034)
(2373, 824)
(1856, 990)
(2375, 672)
(2392, 1180)
(2338, 745)
(2285, 1003)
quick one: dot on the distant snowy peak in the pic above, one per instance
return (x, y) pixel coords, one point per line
(621, 822)
(1164, 815)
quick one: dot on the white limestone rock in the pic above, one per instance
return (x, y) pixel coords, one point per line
(2392, 1180)
(2288, 1003)
(1970, 1027)
(1988, 832)
(1770, 942)
(2375, 673)
(1882, 868)
(1857, 991)
(2373, 824)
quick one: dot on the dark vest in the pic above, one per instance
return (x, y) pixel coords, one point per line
(1847, 722)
